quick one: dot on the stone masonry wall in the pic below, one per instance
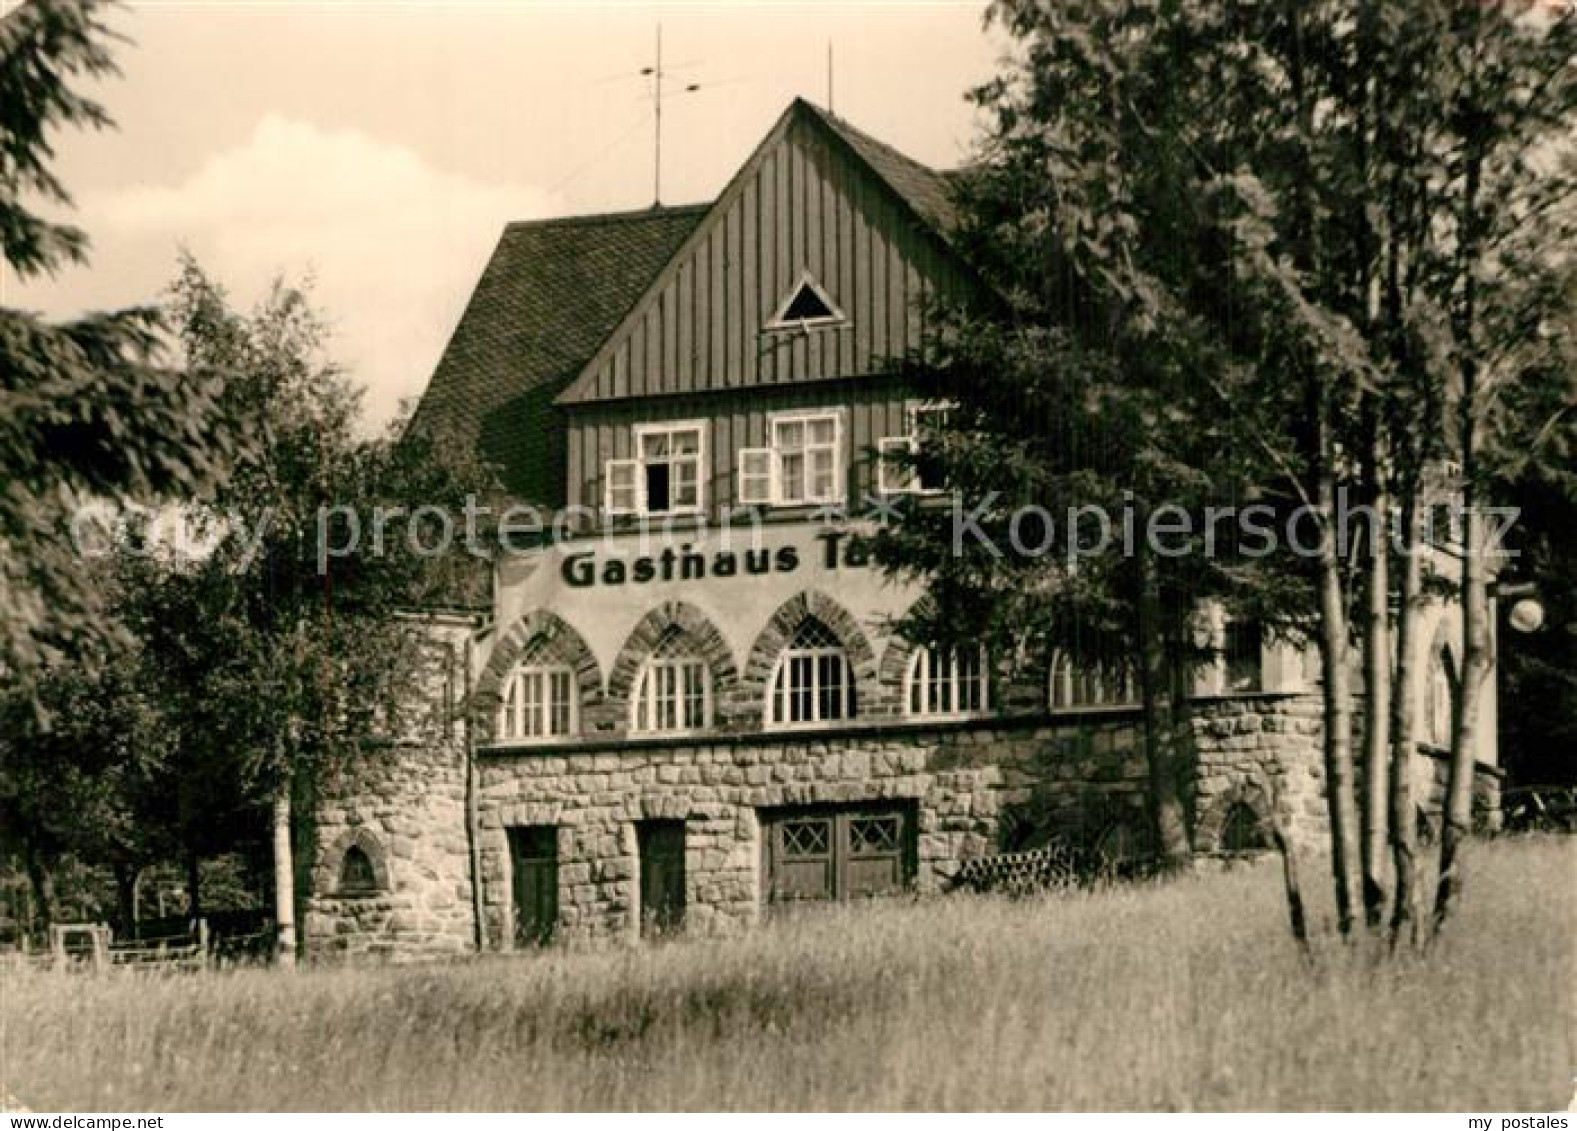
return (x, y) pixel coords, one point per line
(977, 789)
(402, 804)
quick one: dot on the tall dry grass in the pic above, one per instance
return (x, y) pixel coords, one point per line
(1184, 995)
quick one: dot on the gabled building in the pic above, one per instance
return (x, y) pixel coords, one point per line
(690, 707)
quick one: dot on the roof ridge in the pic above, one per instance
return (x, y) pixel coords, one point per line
(844, 125)
(588, 218)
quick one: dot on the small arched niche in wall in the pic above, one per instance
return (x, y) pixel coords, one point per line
(359, 868)
(1242, 830)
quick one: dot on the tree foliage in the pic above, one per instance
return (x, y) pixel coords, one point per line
(89, 410)
(1286, 255)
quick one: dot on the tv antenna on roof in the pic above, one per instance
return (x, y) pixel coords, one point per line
(830, 110)
(657, 75)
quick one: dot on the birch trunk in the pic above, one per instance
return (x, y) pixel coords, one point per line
(1404, 742)
(1340, 804)
(284, 879)
(1377, 699)
(1298, 918)
(1477, 659)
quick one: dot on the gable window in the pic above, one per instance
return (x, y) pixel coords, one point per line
(946, 682)
(803, 465)
(1089, 682)
(813, 683)
(539, 702)
(666, 475)
(905, 466)
(805, 306)
(673, 692)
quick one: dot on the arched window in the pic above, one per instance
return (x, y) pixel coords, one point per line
(1080, 682)
(539, 701)
(674, 689)
(1440, 703)
(813, 682)
(945, 682)
(1241, 830)
(357, 876)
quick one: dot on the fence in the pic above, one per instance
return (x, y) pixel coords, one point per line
(1540, 808)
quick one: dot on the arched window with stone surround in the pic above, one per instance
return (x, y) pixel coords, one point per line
(354, 865)
(813, 682)
(1090, 679)
(539, 700)
(946, 682)
(674, 689)
(357, 875)
(1241, 829)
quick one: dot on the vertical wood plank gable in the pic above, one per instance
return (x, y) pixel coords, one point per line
(807, 206)
(684, 371)
(751, 316)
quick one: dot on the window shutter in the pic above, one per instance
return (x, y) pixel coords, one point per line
(755, 475)
(621, 478)
(894, 477)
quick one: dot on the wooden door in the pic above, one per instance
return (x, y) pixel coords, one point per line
(661, 845)
(534, 854)
(847, 853)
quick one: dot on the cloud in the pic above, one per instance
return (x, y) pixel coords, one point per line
(394, 245)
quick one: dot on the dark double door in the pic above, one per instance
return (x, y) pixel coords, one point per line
(818, 854)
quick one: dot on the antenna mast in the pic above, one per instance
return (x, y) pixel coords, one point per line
(829, 77)
(657, 86)
(657, 76)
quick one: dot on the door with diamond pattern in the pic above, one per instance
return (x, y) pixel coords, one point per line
(827, 854)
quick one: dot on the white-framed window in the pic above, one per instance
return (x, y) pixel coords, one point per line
(903, 469)
(803, 465)
(673, 691)
(666, 476)
(813, 682)
(1242, 656)
(805, 306)
(539, 702)
(1079, 682)
(945, 682)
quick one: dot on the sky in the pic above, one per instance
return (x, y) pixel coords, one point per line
(379, 148)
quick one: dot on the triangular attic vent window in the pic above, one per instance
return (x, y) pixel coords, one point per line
(807, 305)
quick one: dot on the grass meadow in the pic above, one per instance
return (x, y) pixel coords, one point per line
(1184, 995)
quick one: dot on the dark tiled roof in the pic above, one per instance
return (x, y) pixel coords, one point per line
(553, 290)
(924, 189)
